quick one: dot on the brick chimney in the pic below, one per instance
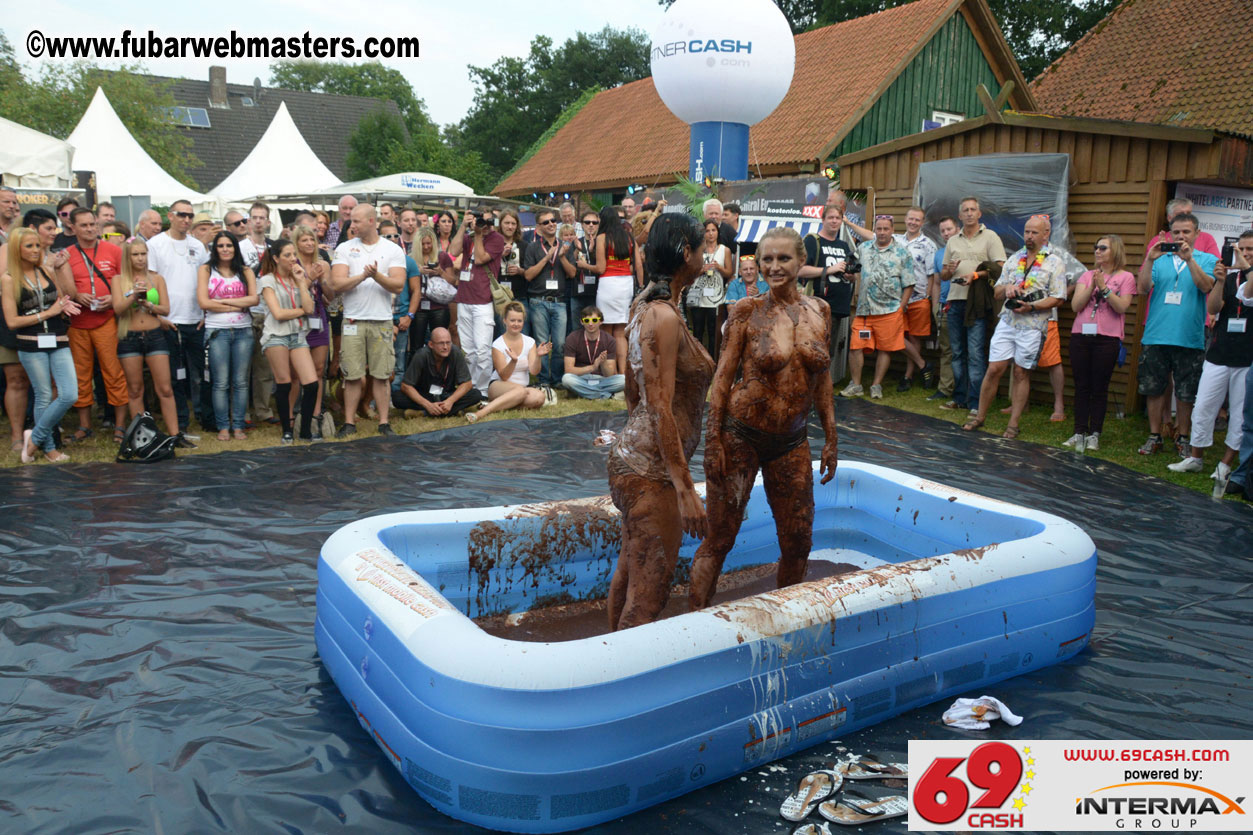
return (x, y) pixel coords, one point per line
(217, 87)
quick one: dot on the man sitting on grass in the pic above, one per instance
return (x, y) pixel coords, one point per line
(437, 380)
(591, 367)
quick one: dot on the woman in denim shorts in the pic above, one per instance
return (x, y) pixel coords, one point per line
(139, 336)
(289, 304)
(317, 265)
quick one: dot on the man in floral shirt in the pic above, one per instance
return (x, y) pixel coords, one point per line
(1032, 283)
(887, 282)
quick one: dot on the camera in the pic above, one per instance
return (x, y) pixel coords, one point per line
(1024, 299)
(1168, 246)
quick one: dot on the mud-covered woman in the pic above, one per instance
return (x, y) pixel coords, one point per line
(772, 371)
(667, 377)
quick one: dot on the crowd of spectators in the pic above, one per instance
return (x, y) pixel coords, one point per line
(227, 318)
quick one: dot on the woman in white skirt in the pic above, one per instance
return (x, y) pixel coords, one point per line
(616, 287)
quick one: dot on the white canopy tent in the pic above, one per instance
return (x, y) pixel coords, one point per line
(30, 159)
(409, 187)
(123, 168)
(281, 162)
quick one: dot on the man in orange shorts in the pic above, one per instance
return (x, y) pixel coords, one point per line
(887, 282)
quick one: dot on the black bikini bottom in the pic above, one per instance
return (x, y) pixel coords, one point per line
(768, 445)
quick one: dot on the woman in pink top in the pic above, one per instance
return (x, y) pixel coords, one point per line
(1100, 302)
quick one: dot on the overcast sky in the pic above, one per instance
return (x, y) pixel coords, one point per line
(453, 36)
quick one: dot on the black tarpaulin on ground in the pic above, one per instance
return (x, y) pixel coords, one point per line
(157, 662)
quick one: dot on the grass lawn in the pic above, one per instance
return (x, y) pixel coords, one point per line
(100, 447)
(1120, 438)
(1119, 442)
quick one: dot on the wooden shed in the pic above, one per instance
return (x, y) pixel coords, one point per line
(1122, 174)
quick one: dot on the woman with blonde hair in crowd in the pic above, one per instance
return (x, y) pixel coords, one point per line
(140, 298)
(1102, 296)
(515, 357)
(225, 290)
(288, 301)
(317, 266)
(35, 311)
(511, 274)
(433, 263)
(321, 225)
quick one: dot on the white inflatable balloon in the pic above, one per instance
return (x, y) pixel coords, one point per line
(723, 60)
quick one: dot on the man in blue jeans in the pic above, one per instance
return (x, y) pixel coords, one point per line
(547, 264)
(590, 365)
(970, 259)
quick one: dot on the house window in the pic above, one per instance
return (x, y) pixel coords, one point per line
(192, 117)
(943, 117)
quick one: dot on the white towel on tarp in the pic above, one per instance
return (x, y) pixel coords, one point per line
(976, 714)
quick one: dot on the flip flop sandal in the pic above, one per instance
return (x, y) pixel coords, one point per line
(971, 425)
(1011, 432)
(870, 767)
(819, 828)
(810, 791)
(119, 435)
(855, 808)
(80, 435)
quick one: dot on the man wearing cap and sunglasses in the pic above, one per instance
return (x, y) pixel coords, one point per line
(66, 237)
(590, 362)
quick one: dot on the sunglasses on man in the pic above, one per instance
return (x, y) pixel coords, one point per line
(590, 320)
(184, 215)
(392, 237)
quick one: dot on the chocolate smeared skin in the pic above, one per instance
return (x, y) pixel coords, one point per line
(777, 344)
(656, 513)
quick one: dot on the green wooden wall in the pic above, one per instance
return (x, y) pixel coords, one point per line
(941, 77)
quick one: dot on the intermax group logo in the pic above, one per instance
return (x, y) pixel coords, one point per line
(1157, 804)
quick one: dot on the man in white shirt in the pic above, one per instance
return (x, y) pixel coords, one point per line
(368, 270)
(177, 257)
(922, 251)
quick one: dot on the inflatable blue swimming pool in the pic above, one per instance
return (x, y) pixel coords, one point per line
(955, 591)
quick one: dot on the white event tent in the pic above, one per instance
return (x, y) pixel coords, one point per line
(30, 159)
(123, 168)
(281, 162)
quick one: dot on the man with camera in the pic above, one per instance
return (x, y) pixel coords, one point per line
(1180, 276)
(482, 246)
(1032, 283)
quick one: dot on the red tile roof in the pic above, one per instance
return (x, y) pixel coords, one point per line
(627, 134)
(1161, 62)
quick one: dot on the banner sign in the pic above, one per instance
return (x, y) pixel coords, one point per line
(1223, 212)
(1080, 786)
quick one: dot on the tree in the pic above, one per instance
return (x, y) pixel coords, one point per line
(378, 145)
(517, 99)
(1037, 32)
(53, 102)
(371, 80)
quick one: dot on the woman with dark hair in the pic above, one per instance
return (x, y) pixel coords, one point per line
(667, 376)
(773, 370)
(616, 285)
(445, 233)
(284, 336)
(225, 290)
(709, 288)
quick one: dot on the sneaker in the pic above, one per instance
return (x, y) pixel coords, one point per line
(183, 441)
(346, 430)
(1182, 448)
(936, 395)
(1080, 444)
(315, 431)
(1152, 445)
(190, 436)
(1187, 465)
(618, 395)
(904, 385)
(1233, 489)
(852, 390)
(953, 406)
(385, 429)
(550, 396)
(1093, 442)
(287, 439)
(1221, 476)
(929, 377)
(876, 392)
(1072, 440)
